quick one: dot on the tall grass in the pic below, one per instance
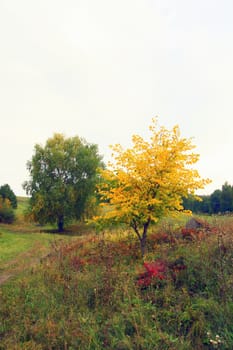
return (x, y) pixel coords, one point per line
(86, 294)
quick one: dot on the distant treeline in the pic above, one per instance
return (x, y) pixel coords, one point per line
(220, 201)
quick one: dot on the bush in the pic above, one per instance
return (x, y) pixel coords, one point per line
(7, 214)
(7, 193)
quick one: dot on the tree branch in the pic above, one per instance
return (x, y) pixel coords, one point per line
(135, 227)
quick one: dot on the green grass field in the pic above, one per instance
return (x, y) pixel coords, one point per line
(22, 243)
(12, 244)
(16, 239)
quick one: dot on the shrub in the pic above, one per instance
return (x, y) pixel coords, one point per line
(7, 214)
(7, 193)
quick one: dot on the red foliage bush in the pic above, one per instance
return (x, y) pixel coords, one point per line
(158, 270)
(154, 271)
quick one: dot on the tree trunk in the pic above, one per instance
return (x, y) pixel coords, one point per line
(143, 245)
(60, 224)
(142, 238)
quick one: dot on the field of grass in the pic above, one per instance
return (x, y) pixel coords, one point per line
(23, 244)
(20, 237)
(13, 244)
(95, 292)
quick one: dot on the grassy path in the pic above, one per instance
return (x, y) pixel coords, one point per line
(23, 261)
(21, 251)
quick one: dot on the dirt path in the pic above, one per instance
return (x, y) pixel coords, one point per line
(23, 262)
(4, 278)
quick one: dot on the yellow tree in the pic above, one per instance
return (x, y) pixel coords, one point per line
(149, 180)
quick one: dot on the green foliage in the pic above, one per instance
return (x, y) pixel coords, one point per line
(201, 205)
(226, 202)
(220, 201)
(215, 201)
(7, 214)
(7, 193)
(63, 178)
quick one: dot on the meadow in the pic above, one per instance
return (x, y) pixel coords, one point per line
(92, 290)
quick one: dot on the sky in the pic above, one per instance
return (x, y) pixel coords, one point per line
(103, 69)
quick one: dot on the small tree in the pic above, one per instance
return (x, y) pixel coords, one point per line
(149, 180)
(63, 177)
(7, 214)
(7, 193)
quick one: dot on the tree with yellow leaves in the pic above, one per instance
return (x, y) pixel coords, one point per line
(149, 180)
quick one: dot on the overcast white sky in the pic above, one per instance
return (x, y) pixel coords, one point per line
(102, 69)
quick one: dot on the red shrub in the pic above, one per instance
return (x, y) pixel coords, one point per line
(154, 271)
(158, 270)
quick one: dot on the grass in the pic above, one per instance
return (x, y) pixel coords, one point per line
(86, 294)
(13, 244)
(21, 237)
(22, 244)
(22, 204)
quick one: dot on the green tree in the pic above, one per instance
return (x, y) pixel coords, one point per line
(226, 198)
(204, 204)
(63, 176)
(215, 201)
(7, 193)
(197, 205)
